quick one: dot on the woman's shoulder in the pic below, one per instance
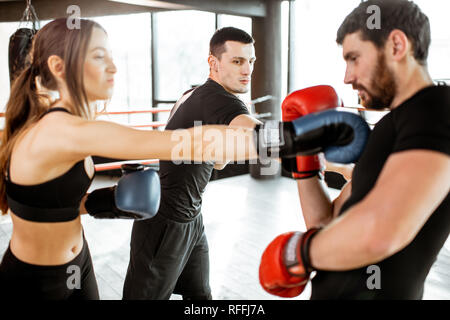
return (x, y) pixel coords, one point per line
(55, 128)
(57, 117)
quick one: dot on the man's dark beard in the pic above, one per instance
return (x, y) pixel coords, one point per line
(383, 86)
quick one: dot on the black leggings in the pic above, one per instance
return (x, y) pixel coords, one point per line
(74, 280)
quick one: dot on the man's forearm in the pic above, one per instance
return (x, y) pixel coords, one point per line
(345, 244)
(317, 207)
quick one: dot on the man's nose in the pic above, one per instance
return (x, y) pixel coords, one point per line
(246, 68)
(349, 76)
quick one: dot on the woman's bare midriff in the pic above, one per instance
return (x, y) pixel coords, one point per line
(46, 244)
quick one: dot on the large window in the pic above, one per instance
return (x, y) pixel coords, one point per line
(182, 47)
(132, 57)
(181, 53)
(318, 57)
(130, 40)
(439, 54)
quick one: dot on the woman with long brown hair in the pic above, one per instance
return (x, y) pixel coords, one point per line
(46, 164)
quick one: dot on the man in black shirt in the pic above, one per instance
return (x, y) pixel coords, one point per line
(380, 237)
(169, 253)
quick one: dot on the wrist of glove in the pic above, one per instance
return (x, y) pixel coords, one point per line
(296, 256)
(304, 167)
(100, 204)
(274, 139)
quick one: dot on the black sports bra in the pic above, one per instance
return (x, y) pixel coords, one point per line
(57, 200)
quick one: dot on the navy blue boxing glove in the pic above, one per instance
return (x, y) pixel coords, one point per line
(342, 136)
(136, 196)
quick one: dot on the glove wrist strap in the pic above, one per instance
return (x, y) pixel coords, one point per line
(296, 257)
(304, 247)
(307, 174)
(272, 138)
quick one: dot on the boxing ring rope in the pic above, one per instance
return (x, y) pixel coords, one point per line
(153, 110)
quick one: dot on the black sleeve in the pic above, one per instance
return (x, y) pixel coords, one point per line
(222, 110)
(423, 127)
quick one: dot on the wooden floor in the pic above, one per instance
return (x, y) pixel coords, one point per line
(241, 215)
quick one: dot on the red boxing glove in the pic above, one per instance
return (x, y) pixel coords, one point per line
(285, 268)
(298, 104)
(309, 100)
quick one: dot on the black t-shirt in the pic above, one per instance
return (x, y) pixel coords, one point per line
(182, 185)
(421, 122)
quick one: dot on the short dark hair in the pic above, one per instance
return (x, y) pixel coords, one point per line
(394, 14)
(217, 42)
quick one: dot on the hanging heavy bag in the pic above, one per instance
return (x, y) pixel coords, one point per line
(20, 42)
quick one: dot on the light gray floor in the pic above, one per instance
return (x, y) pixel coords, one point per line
(241, 215)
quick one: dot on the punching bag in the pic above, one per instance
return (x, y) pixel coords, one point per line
(20, 42)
